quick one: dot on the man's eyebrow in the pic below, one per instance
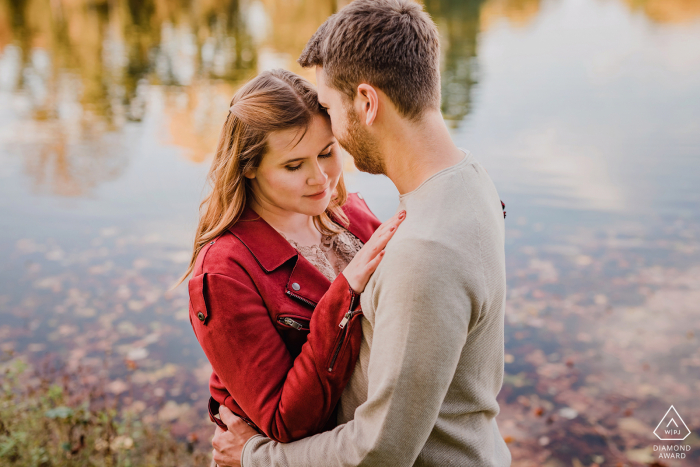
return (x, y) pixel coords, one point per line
(302, 158)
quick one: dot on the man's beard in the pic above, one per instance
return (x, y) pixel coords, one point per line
(361, 145)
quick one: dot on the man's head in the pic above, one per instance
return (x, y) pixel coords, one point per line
(373, 52)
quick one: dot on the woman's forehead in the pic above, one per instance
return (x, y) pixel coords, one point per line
(300, 141)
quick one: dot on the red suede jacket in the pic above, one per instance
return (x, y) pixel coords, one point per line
(281, 338)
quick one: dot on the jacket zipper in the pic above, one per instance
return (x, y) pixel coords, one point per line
(290, 322)
(310, 303)
(337, 349)
(353, 298)
(348, 316)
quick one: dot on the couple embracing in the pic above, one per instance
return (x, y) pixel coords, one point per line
(335, 339)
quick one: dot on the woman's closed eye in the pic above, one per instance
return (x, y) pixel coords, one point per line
(324, 155)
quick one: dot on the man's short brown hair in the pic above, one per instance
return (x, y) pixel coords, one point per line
(390, 44)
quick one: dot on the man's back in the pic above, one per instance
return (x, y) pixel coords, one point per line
(455, 218)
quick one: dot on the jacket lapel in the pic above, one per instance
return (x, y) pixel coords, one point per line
(271, 250)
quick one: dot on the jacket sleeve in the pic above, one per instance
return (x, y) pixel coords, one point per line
(287, 399)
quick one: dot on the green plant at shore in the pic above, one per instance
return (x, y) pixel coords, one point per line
(43, 423)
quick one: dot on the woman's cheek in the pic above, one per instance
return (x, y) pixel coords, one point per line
(335, 167)
(289, 181)
(281, 185)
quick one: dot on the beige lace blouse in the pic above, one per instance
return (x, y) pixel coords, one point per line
(344, 244)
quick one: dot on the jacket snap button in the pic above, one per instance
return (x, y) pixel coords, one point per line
(359, 196)
(296, 286)
(200, 315)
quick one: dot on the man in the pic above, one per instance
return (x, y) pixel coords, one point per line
(431, 363)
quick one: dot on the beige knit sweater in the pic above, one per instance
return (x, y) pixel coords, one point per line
(431, 363)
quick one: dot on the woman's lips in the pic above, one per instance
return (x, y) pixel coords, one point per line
(318, 195)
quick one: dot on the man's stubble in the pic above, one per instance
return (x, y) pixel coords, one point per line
(361, 145)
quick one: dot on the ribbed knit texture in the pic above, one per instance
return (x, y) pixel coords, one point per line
(431, 363)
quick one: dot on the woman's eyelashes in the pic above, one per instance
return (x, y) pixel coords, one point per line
(323, 156)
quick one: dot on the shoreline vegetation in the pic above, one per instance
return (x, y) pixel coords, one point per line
(49, 417)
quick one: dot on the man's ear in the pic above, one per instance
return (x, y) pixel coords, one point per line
(369, 102)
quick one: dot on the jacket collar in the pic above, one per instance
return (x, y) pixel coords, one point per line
(270, 249)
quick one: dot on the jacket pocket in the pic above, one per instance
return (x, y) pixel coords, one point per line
(293, 321)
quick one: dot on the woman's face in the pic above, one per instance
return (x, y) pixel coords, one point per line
(299, 176)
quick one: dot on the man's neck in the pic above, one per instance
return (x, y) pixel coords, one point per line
(413, 152)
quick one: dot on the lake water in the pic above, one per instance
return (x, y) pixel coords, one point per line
(586, 114)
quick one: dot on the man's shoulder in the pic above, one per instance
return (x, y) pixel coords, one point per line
(430, 259)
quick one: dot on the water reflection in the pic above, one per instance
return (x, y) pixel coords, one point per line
(458, 22)
(516, 12)
(80, 71)
(57, 165)
(667, 11)
(585, 113)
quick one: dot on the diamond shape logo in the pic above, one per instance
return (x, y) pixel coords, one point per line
(672, 427)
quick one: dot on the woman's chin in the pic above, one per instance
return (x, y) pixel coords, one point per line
(316, 207)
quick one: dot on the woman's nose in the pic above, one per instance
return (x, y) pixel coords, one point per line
(319, 176)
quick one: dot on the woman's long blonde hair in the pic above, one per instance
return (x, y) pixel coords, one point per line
(275, 100)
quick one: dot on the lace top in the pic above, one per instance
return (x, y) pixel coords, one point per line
(344, 244)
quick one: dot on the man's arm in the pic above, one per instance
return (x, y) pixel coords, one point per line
(425, 302)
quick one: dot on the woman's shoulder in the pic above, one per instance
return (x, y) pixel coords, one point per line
(225, 255)
(356, 207)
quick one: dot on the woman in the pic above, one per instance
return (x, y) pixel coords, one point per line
(280, 257)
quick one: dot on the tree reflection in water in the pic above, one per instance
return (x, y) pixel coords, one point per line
(84, 69)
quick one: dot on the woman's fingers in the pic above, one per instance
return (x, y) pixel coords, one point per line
(394, 221)
(391, 226)
(372, 265)
(367, 259)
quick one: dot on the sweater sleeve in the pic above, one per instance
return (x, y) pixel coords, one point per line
(425, 300)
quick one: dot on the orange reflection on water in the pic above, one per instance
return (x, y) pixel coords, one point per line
(516, 12)
(668, 11)
(195, 118)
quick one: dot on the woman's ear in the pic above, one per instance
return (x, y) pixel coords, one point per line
(250, 173)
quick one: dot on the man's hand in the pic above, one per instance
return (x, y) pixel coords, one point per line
(228, 445)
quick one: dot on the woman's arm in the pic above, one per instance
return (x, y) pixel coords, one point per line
(287, 399)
